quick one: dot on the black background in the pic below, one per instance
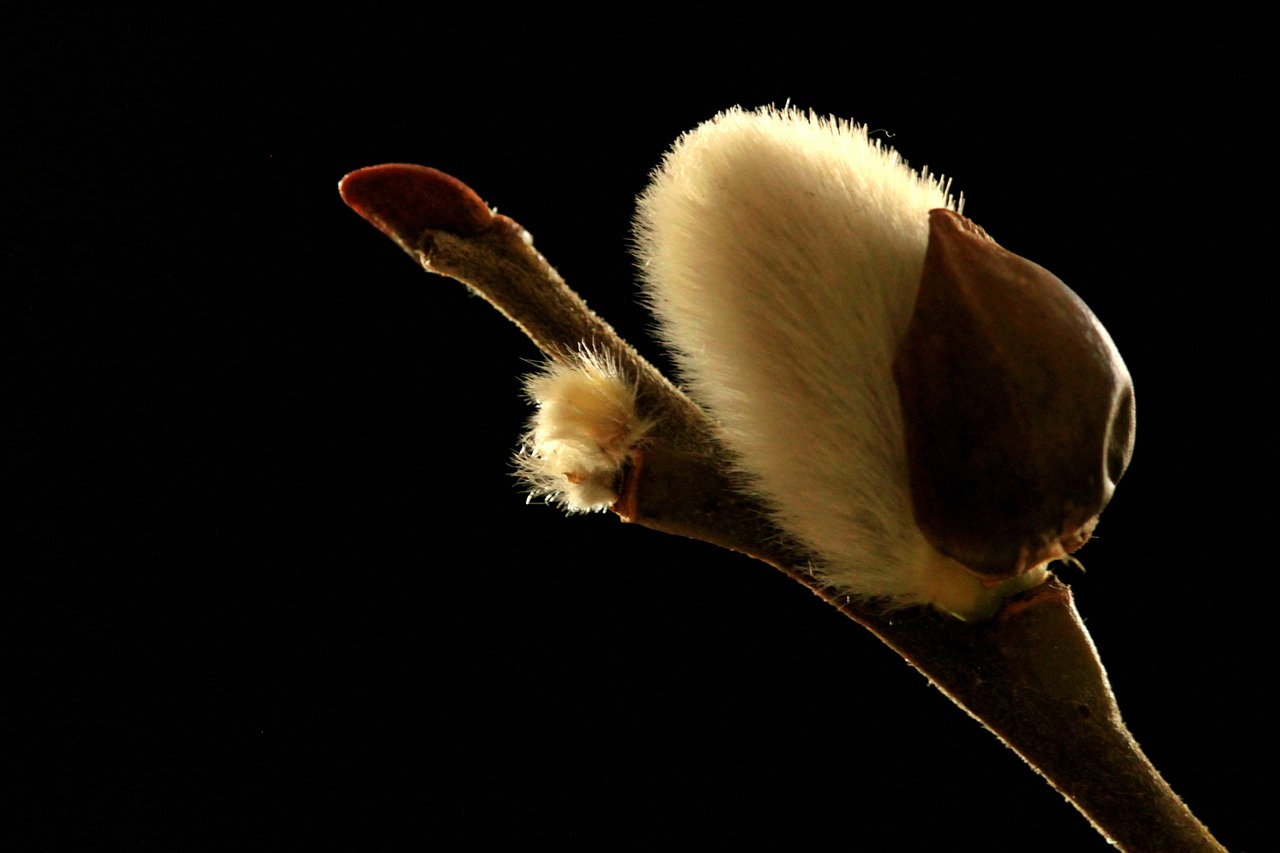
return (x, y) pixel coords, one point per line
(275, 583)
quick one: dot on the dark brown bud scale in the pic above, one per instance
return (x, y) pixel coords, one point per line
(1018, 409)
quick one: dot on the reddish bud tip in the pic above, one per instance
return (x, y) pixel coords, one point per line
(403, 201)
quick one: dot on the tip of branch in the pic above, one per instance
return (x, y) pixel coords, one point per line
(402, 201)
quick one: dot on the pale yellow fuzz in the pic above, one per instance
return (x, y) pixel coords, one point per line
(782, 253)
(951, 587)
(580, 438)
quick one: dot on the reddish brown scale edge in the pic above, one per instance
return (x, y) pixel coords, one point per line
(403, 200)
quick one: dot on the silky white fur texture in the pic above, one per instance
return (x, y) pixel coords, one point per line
(580, 438)
(782, 254)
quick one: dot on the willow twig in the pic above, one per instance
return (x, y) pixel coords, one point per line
(1031, 675)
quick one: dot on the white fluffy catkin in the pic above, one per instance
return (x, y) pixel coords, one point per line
(582, 434)
(782, 255)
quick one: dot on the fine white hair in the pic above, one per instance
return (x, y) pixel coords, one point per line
(782, 254)
(581, 436)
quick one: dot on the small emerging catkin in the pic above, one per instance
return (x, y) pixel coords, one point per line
(581, 437)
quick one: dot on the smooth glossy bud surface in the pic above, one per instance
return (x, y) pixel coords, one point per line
(1018, 408)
